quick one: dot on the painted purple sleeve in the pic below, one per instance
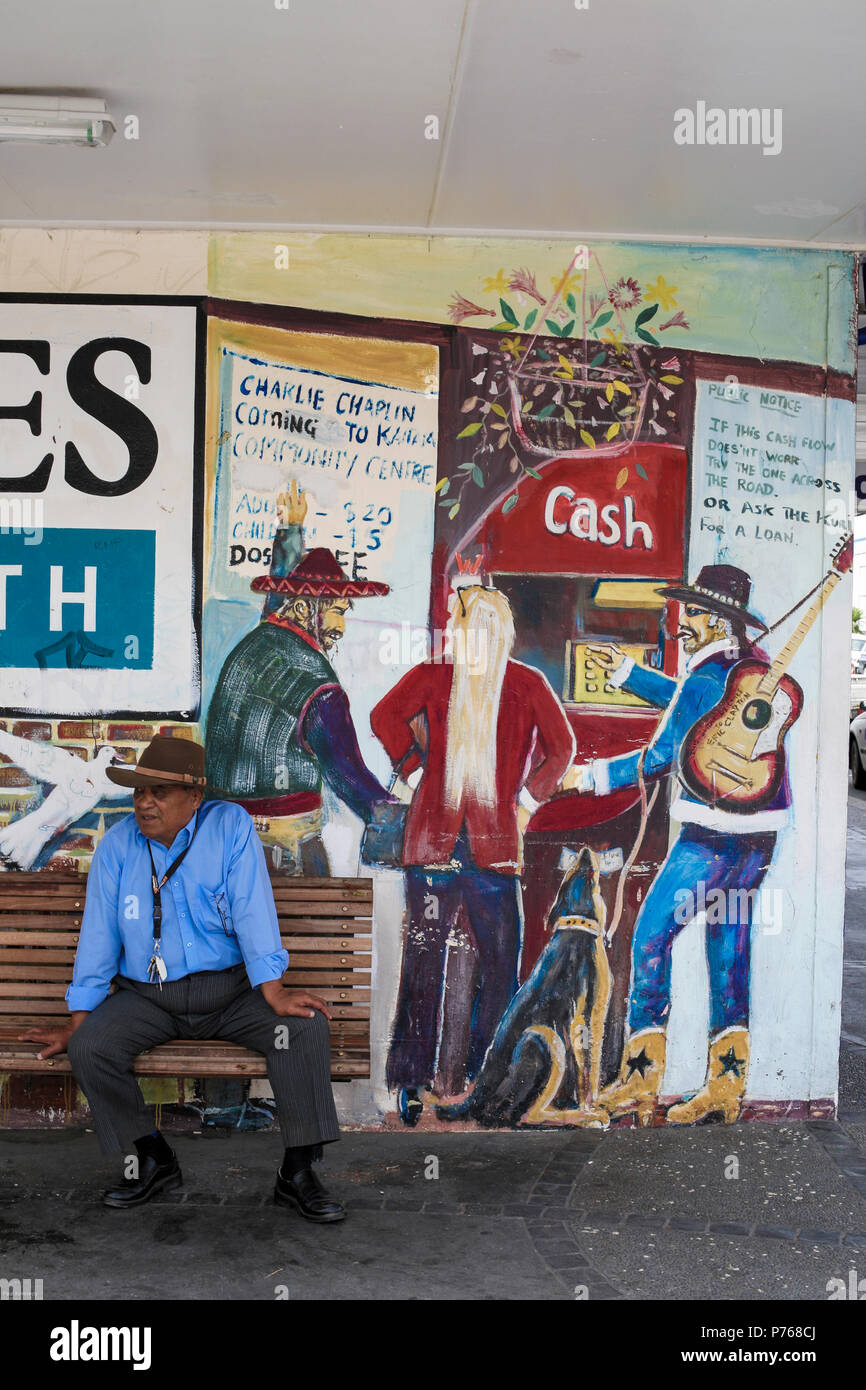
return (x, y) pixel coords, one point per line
(328, 730)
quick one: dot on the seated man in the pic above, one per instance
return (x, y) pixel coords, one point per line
(180, 916)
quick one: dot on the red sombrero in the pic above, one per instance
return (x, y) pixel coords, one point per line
(318, 575)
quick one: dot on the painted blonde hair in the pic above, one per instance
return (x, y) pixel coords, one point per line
(487, 630)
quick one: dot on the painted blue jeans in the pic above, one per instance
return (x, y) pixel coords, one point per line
(700, 862)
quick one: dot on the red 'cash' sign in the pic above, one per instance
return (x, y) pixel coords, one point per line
(574, 519)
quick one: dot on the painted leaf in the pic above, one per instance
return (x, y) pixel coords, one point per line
(569, 417)
(608, 390)
(545, 411)
(647, 337)
(537, 390)
(526, 407)
(467, 467)
(628, 410)
(621, 478)
(497, 410)
(502, 440)
(532, 473)
(621, 387)
(587, 439)
(530, 318)
(566, 328)
(469, 404)
(508, 313)
(453, 512)
(477, 476)
(603, 319)
(502, 327)
(545, 356)
(672, 380)
(612, 431)
(598, 359)
(569, 299)
(499, 425)
(566, 365)
(642, 471)
(442, 485)
(645, 315)
(470, 429)
(509, 502)
(554, 327)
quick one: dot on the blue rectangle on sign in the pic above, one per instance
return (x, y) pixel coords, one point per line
(77, 599)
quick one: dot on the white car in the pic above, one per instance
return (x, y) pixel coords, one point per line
(857, 750)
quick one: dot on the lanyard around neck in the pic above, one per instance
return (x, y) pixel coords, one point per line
(157, 884)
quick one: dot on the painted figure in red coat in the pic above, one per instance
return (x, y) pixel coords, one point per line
(496, 744)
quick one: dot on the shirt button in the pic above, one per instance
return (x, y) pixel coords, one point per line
(189, 943)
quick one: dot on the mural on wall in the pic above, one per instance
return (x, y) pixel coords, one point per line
(520, 607)
(99, 480)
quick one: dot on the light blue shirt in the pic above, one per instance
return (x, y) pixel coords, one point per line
(217, 908)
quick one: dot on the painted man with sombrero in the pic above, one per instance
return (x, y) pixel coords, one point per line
(279, 720)
(726, 851)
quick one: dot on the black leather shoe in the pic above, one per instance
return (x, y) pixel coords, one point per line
(306, 1194)
(152, 1177)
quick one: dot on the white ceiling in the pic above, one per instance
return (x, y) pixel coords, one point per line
(552, 119)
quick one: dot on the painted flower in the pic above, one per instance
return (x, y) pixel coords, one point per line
(612, 335)
(568, 280)
(595, 303)
(460, 309)
(678, 321)
(495, 284)
(625, 293)
(523, 281)
(671, 365)
(663, 292)
(511, 345)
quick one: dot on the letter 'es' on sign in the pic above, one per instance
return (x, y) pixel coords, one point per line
(99, 430)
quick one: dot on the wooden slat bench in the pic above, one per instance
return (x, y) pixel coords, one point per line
(325, 925)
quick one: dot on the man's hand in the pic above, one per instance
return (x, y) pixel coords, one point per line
(605, 655)
(56, 1040)
(292, 505)
(292, 1003)
(578, 779)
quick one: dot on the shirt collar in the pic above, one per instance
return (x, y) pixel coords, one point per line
(725, 646)
(298, 631)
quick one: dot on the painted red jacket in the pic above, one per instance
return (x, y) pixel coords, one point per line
(534, 745)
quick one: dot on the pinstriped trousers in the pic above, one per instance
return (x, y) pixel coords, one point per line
(218, 1004)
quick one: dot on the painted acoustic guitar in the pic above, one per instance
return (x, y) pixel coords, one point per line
(734, 756)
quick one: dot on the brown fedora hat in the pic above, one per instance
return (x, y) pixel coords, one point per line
(165, 760)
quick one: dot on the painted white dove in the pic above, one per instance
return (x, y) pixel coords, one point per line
(78, 787)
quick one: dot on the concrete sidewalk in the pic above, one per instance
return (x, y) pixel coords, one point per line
(631, 1214)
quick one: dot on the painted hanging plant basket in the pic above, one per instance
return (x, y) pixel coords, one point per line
(570, 403)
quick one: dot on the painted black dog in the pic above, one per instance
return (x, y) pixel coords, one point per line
(551, 1033)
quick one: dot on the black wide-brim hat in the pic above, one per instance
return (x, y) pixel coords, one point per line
(722, 589)
(165, 761)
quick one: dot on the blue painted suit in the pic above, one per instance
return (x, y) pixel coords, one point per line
(715, 850)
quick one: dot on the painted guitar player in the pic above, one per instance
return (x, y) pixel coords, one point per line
(723, 732)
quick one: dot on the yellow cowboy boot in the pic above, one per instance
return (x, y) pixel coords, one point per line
(640, 1076)
(727, 1069)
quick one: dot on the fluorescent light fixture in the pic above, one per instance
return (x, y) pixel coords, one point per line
(47, 120)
